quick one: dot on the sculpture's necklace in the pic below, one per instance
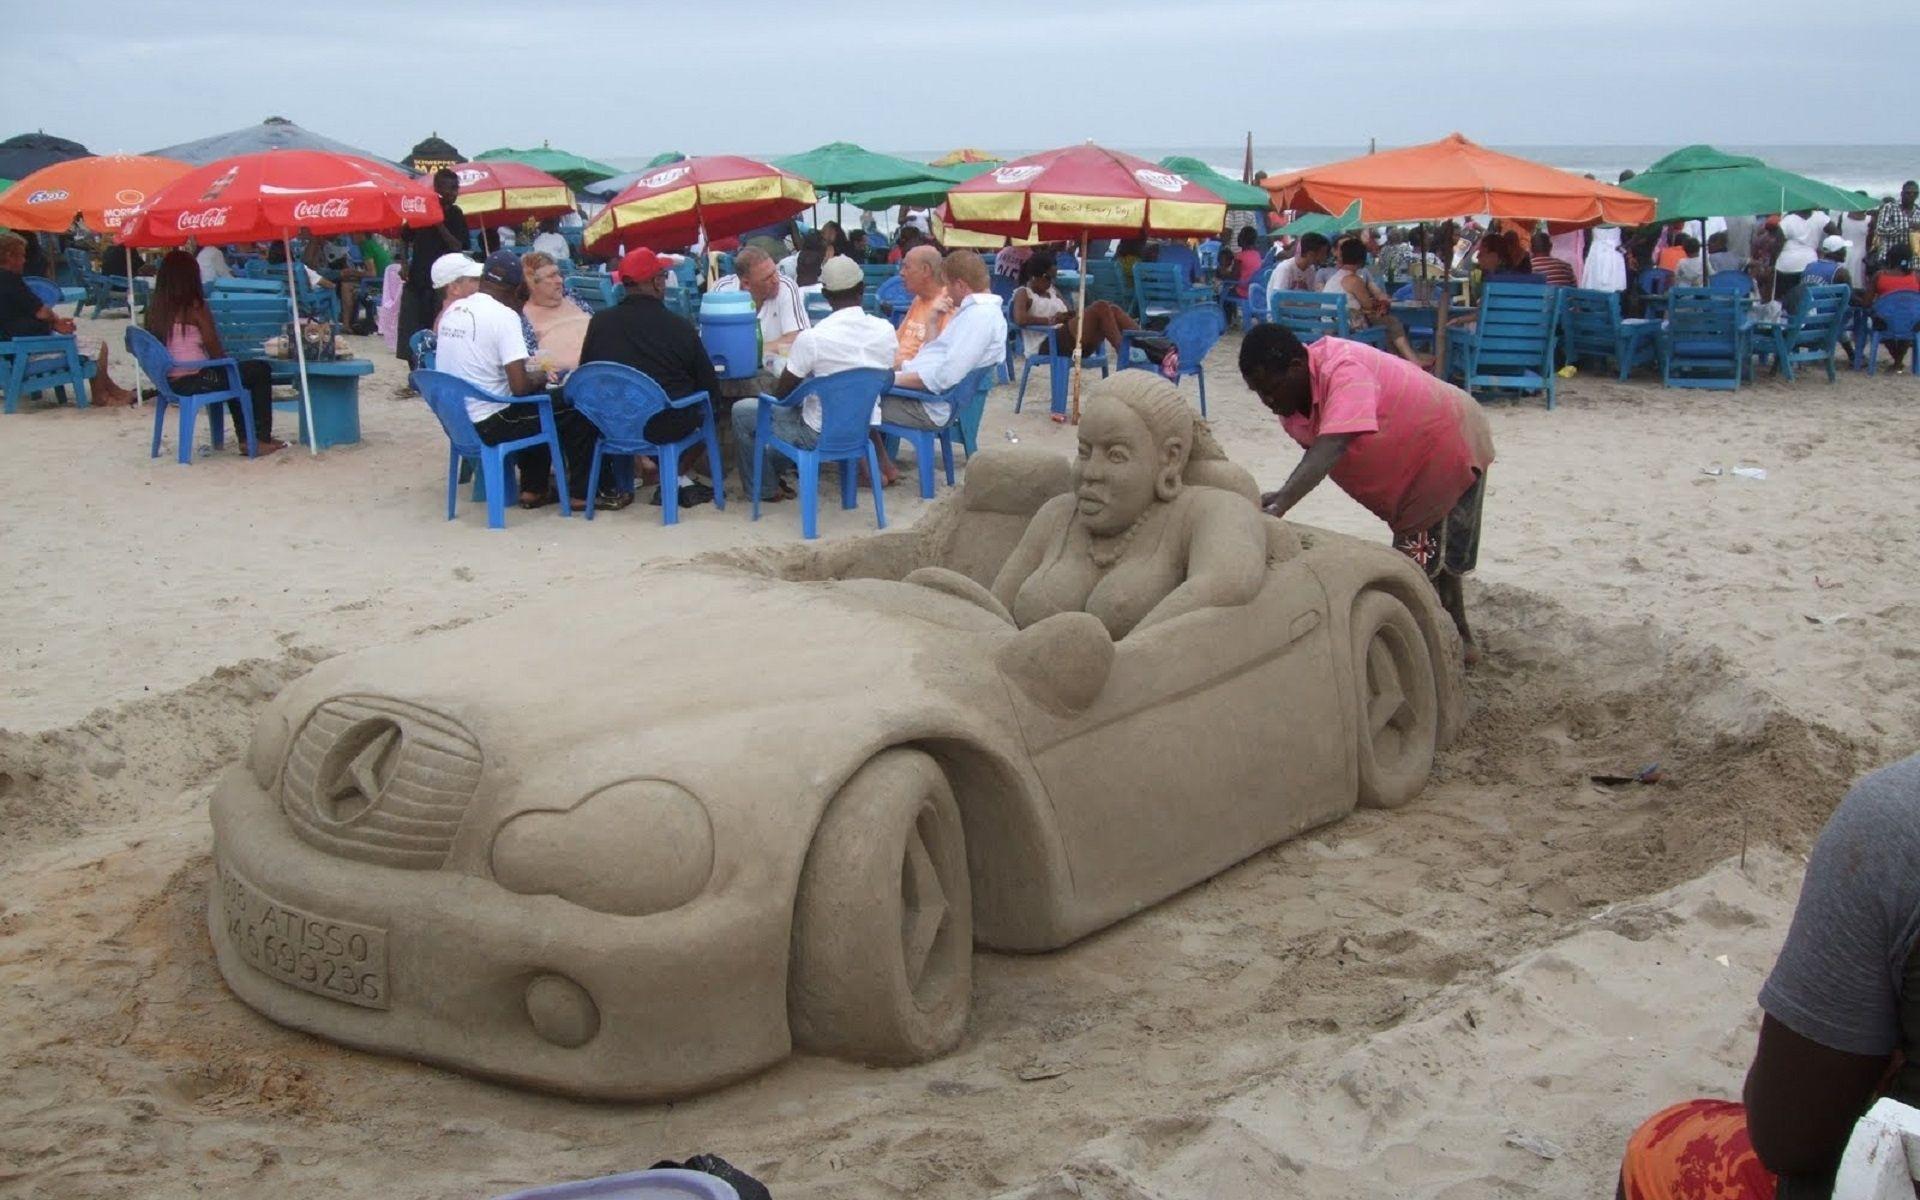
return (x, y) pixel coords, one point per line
(1107, 551)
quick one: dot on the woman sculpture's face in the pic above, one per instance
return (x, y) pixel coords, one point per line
(1114, 474)
(545, 287)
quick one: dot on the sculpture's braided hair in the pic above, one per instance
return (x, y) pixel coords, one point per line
(1167, 416)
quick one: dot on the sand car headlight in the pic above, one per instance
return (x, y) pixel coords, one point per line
(635, 847)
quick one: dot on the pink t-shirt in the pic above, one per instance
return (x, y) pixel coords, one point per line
(185, 344)
(1249, 263)
(1417, 444)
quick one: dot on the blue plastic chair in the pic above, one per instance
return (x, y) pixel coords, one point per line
(420, 349)
(1900, 313)
(846, 415)
(1703, 343)
(46, 291)
(447, 395)
(1736, 283)
(1511, 345)
(596, 291)
(620, 401)
(1591, 327)
(894, 299)
(1254, 310)
(1812, 332)
(875, 275)
(966, 400)
(1059, 366)
(31, 365)
(151, 353)
(1311, 316)
(1193, 333)
(1160, 292)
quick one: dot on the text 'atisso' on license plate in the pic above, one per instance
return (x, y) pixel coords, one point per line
(340, 960)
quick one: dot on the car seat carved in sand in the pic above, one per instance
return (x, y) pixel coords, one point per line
(754, 804)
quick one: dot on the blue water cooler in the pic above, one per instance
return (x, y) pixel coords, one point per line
(729, 329)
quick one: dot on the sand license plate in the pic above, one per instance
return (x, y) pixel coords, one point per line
(336, 959)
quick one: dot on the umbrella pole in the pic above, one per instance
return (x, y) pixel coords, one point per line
(133, 318)
(300, 351)
(1441, 304)
(1073, 409)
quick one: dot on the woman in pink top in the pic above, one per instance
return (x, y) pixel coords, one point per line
(178, 315)
(1410, 448)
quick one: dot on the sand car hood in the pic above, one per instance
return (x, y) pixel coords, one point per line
(756, 695)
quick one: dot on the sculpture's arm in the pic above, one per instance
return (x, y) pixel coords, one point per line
(1025, 559)
(1226, 559)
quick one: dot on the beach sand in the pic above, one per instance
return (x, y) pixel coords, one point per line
(1477, 995)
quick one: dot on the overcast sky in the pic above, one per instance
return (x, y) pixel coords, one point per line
(751, 76)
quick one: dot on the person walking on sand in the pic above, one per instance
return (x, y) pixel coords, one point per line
(1412, 449)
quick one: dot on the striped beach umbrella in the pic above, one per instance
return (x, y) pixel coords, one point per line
(721, 194)
(505, 192)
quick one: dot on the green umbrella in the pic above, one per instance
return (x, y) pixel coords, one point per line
(1243, 196)
(924, 194)
(841, 168)
(1321, 223)
(570, 169)
(666, 158)
(1699, 181)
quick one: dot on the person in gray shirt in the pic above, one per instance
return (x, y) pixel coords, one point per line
(1840, 1024)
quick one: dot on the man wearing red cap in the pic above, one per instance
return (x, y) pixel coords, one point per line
(641, 333)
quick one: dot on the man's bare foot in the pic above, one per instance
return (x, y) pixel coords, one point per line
(1471, 654)
(115, 399)
(265, 446)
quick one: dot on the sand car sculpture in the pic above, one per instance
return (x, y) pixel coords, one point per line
(654, 837)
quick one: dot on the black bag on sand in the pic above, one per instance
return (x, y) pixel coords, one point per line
(712, 1164)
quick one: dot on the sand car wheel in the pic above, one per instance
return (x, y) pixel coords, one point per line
(882, 966)
(1399, 707)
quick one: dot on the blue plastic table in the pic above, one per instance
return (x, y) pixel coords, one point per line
(335, 391)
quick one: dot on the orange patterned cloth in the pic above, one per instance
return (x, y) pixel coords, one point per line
(1697, 1150)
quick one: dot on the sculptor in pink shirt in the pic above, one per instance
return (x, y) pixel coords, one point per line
(1410, 448)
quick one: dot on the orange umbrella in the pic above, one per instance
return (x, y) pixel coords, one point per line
(102, 191)
(1454, 177)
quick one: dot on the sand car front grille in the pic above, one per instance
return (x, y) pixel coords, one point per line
(380, 780)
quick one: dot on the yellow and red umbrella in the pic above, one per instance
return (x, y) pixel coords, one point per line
(1085, 191)
(966, 154)
(102, 191)
(503, 192)
(721, 194)
(1081, 192)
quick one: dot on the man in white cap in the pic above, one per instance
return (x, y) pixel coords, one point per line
(480, 340)
(846, 339)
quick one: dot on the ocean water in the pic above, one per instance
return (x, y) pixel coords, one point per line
(1876, 170)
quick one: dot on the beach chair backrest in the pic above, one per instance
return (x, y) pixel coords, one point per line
(1590, 322)
(1516, 326)
(1818, 314)
(846, 408)
(245, 322)
(1737, 283)
(620, 401)
(1900, 311)
(447, 396)
(1309, 316)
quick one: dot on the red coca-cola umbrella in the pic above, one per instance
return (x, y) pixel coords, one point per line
(504, 192)
(721, 194)
(269, 197)
(1083, 191)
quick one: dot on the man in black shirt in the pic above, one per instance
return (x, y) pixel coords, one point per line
(423, 247)
(640, 332)
(23, 314)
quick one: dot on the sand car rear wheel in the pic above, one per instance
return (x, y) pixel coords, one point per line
(882, 966)
(1399, 707)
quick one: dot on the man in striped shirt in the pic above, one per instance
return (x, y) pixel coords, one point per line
(1555, 271)
(783, 313)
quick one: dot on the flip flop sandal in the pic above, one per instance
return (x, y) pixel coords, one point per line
(613, 502)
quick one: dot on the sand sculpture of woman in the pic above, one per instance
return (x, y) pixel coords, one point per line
(1150, 529)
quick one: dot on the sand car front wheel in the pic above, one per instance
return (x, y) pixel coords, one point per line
(882, 967)
(1399, 706)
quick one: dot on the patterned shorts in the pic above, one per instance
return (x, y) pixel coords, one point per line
(1697, 1150)
(1452, 545)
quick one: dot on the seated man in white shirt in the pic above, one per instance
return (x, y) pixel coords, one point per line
(846, 339)
(479, 338)
(1301, 272)
(783, 311)
(213, 265)
(975, 336)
